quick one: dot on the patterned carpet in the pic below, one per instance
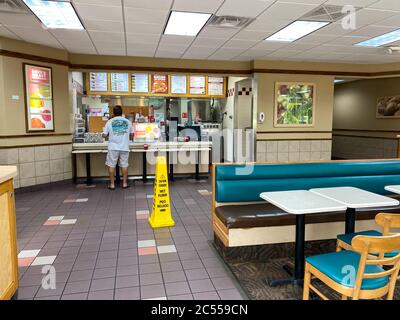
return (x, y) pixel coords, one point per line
(252, 276)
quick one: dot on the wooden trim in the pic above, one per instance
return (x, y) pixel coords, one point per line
(35, 135)
(159, 69)
(297, 139)
(265, 132)
(366, 130)
(34, 145)
(359, 136)
(20, 55)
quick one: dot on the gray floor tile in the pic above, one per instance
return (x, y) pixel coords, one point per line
(152, 291)
(151, 278)
(77, 287)
(127, 294)
(230, 294)
(177, 288)
(202, 285)
(127, 281)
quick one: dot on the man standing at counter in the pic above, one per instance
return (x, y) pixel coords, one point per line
(119, 132)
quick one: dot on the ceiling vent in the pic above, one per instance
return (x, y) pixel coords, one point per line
(326, 13)
(13, 6)
(229, 22)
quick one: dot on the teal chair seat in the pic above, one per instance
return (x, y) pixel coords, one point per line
(347, 238)
(335, 265)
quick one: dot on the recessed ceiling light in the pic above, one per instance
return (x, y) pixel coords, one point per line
(296, 30)
(186, 23)
(381, 40)
(55, 14)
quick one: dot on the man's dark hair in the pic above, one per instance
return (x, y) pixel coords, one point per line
(117, 110)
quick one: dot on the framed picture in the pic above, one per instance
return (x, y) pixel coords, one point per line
(39, 108)
(388, 107)
(294, 104)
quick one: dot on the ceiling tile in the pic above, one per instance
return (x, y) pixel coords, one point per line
(387, 5)
(148, 4)
(251, 35)
(180, 40)
(225, 54)
(167, 54)
(269, 45)
(139, 38)
(334, 29)
(248, 8)
(80, 49)
(4, 32)
(73, 35)
(209, 42)
(144, 28)
(107, 36)
(172, 48)
(138, 15)
(98, 12)
(195, 52)
(356, 3)
(347, 40)
(372, 16)
(99, 2)
(205, 6)
(140, 52)
(240, 44)
(112, 51)
(142, 47)
(214, 32)
(20, 20)
(390, 22)
(371, 31)
(104, 25)
(286, 11)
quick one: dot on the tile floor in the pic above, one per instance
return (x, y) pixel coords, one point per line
(102, 247)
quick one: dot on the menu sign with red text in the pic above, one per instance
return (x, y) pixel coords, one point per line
(39, 98)
(159, 83)
(197, 85)
(215, 86)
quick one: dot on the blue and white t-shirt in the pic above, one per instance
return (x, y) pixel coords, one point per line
(118, 130)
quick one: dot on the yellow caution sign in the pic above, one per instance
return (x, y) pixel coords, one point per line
(161, 213)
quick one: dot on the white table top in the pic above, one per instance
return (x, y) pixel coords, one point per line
(7, 173)
(301, 202)
(394, 189)
(355, 197)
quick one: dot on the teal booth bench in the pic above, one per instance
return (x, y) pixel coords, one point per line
(241, 218)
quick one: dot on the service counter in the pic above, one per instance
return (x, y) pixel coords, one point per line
(184, 158)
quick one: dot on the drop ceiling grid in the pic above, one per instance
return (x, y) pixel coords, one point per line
(135, 28)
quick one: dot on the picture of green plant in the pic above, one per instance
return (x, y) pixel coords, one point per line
(294, 105)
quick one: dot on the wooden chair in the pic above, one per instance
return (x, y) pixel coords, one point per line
(387, 221)
(353, 274)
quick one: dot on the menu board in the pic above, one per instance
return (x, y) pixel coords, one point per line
(140, 82)
(119, 82)
(178, 84)
(197, 85)
(39, 98)
(215, 86)
(159, 83)
(98, 81)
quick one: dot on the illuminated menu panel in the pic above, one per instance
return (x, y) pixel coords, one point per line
(197, 85)
(215, 86)
(39, 98)
(98, 81)
(119, 82)
(178, 84)
(140, 82)
(159, 83)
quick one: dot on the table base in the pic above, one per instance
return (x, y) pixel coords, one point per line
(284, 281)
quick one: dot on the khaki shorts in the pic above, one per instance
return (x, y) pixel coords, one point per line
(120, 157)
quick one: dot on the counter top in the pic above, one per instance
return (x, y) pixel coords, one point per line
(152, 145)
(7, 173)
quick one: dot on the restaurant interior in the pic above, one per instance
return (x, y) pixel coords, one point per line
(264, 162)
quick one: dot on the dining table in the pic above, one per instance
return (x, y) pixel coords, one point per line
(299, 203)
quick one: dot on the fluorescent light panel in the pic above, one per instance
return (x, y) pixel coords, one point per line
(381, 40)
(186, 23)
(296, 30)
(55, 14)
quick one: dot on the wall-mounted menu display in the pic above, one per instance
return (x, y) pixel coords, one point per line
(215, 86)
(178, 84)
(159, 83)
(197, 85)
(98, 81)
(140, 82)
(119, 82)
(38, 98)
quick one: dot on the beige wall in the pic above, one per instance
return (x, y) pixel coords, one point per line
(355, 104)
(264, 100)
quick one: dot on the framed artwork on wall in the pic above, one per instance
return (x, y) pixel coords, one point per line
(294, 104)
(39, 108)
(388, 107)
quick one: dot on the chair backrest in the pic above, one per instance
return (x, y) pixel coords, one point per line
(369, 246)
(234, 183)
(388, 221)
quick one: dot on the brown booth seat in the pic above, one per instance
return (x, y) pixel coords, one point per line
(268, 215)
